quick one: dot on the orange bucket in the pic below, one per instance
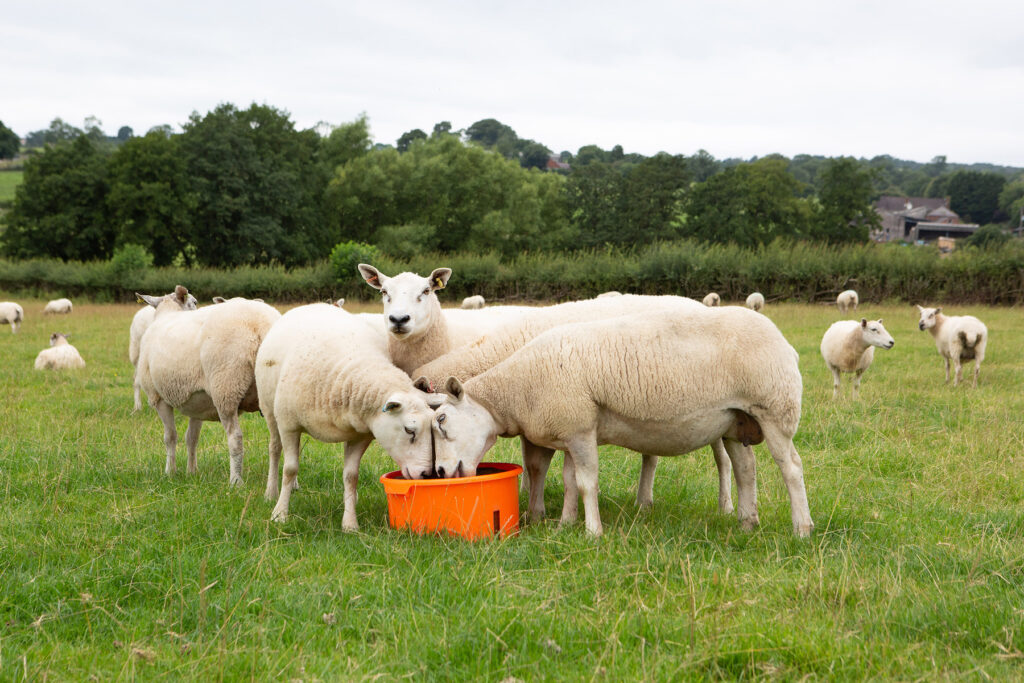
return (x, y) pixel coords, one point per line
(486, 505)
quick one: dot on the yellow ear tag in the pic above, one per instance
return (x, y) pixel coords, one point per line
(440, 283)
(139, 300)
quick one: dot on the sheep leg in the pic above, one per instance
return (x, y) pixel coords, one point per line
(645, 489)
(274, 458)
(977, 369)
(290, 444)
(537, 460)
(856, 383)
(570, 493)
(353, 456)
(137, 388)
(744, 465)
(835, 381)
(947, 370)
(191, 442)
(724, 480)
(958, 368)
(235, 450)
(781, 446)
(583, 450)
(166, 413)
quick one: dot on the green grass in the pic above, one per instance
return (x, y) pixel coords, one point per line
(8, 181)
(915, 570)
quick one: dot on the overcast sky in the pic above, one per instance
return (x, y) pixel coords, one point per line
(739, 79)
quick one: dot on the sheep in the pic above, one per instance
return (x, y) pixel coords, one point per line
(338, 302)
(755, 301)
(468, 361)
(473, 302)
(202, 364)
(607, 295)
(60, 356)
(712, 299)
(957, 337)
(141, 321)
(58, 306)
(663, 382)
(849, 346)
(11, 314)
(325, 372)
(847, 301)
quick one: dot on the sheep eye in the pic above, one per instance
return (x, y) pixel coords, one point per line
(441, 418)
(410, 430)
(426, 292)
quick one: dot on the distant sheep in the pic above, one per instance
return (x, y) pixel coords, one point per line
(712, 299)
(849, 346)
(957, 337)
(60, 356)
(140, 323)
(608, 294)
(473, 302)
(339, 303)
(58, 306)
(11, 314)
(847, 301)
(755, 301)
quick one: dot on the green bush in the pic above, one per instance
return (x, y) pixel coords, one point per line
(346, 256)
(129, 261)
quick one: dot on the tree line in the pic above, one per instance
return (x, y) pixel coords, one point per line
(245, 186)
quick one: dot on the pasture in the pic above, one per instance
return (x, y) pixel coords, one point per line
(8, 181)
(915, 569)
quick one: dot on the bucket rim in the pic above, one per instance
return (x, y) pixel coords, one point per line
(507, 470)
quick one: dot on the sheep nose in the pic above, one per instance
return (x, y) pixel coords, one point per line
(440, 472)
(399, 320)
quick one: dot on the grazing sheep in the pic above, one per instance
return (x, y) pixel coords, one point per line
(58, 306)
(11, 314)
(60, 356)
(847, 301)
(849, 346)
(755, 301)
(607, 295)
(324, 372)
(141, 321)
(473, 302)
(202, 364)
(712, 299)
(957, 337)
(656, 383)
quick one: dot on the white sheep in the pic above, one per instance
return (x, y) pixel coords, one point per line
(501, 342)
(957, 337)
(651, 382)
(202, 364)
(60, 356)
(11, 314)
(847, 301)
(849, 346)
(473, 302)
(324, 372)
(58, 306)
(141, 321)
(338, 302)
(755, 301)
(609, 294)
(712, 299)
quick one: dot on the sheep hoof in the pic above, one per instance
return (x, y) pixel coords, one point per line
(595, 530)
(235, 481)
(645, 502)
(750, 523)
(803, 530)
(279, 516)
(271, 494)
(349, 525)
(725, 507)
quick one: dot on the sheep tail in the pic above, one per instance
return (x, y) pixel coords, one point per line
(969, 344)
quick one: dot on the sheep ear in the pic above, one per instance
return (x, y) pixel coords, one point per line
(423, 384)
(920, 307)
(392, 407)
(453, 387)
(863, 322)
(439, 278)
(153, 301)
(938, 310)
(373, 277)
(879, 321)
(339, 303)
(219, 299)
(181, 294)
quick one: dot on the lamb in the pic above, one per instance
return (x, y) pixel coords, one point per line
(60, 356)
(141, 321)
(655, 383)
(11, 314)
(957, 337)
(202, 364)
(755, 301)
(847, 301)
(849, 346)
(58, 306)
(712, 299)
(325, 372)
(473, 302)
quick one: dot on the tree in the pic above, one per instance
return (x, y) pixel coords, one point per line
(987, 237)
(442, 128)
(845, 211)
(58, 132)
(346, 142)
(975, 196)
(533, 154)
(10, 143)
(651, 192)
(488, 132)
(593, 199)
(409, 137)
(1011, 200)
(125, 133)
(703, 165)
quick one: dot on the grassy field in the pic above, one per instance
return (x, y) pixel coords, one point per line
(112, 570)
(8, 181)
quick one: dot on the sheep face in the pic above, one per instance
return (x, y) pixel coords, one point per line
(56, 339)
(409, 299)
(927, 320)
(872, 332)
(403, 429)
(180, 295)
(463, 433)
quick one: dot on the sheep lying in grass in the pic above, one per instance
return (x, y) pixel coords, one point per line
(712, 299)
(755, 301)
(849, 346)
(60, 356)
(141, 321)
(58, 306)
(473, 302)
(656, 383)
(847, 301)
(202, 364)
(11, 314)
(957, 337)
(501, 342)
(322, 371)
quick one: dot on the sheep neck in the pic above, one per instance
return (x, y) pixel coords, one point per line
(493, 393)
(409, 354)
(940, 320)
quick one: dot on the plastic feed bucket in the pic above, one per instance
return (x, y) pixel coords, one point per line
(483, 506)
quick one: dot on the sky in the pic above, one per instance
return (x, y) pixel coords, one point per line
(739, 79)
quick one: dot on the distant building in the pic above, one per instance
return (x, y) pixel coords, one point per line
(919, 219)
(554, 164)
